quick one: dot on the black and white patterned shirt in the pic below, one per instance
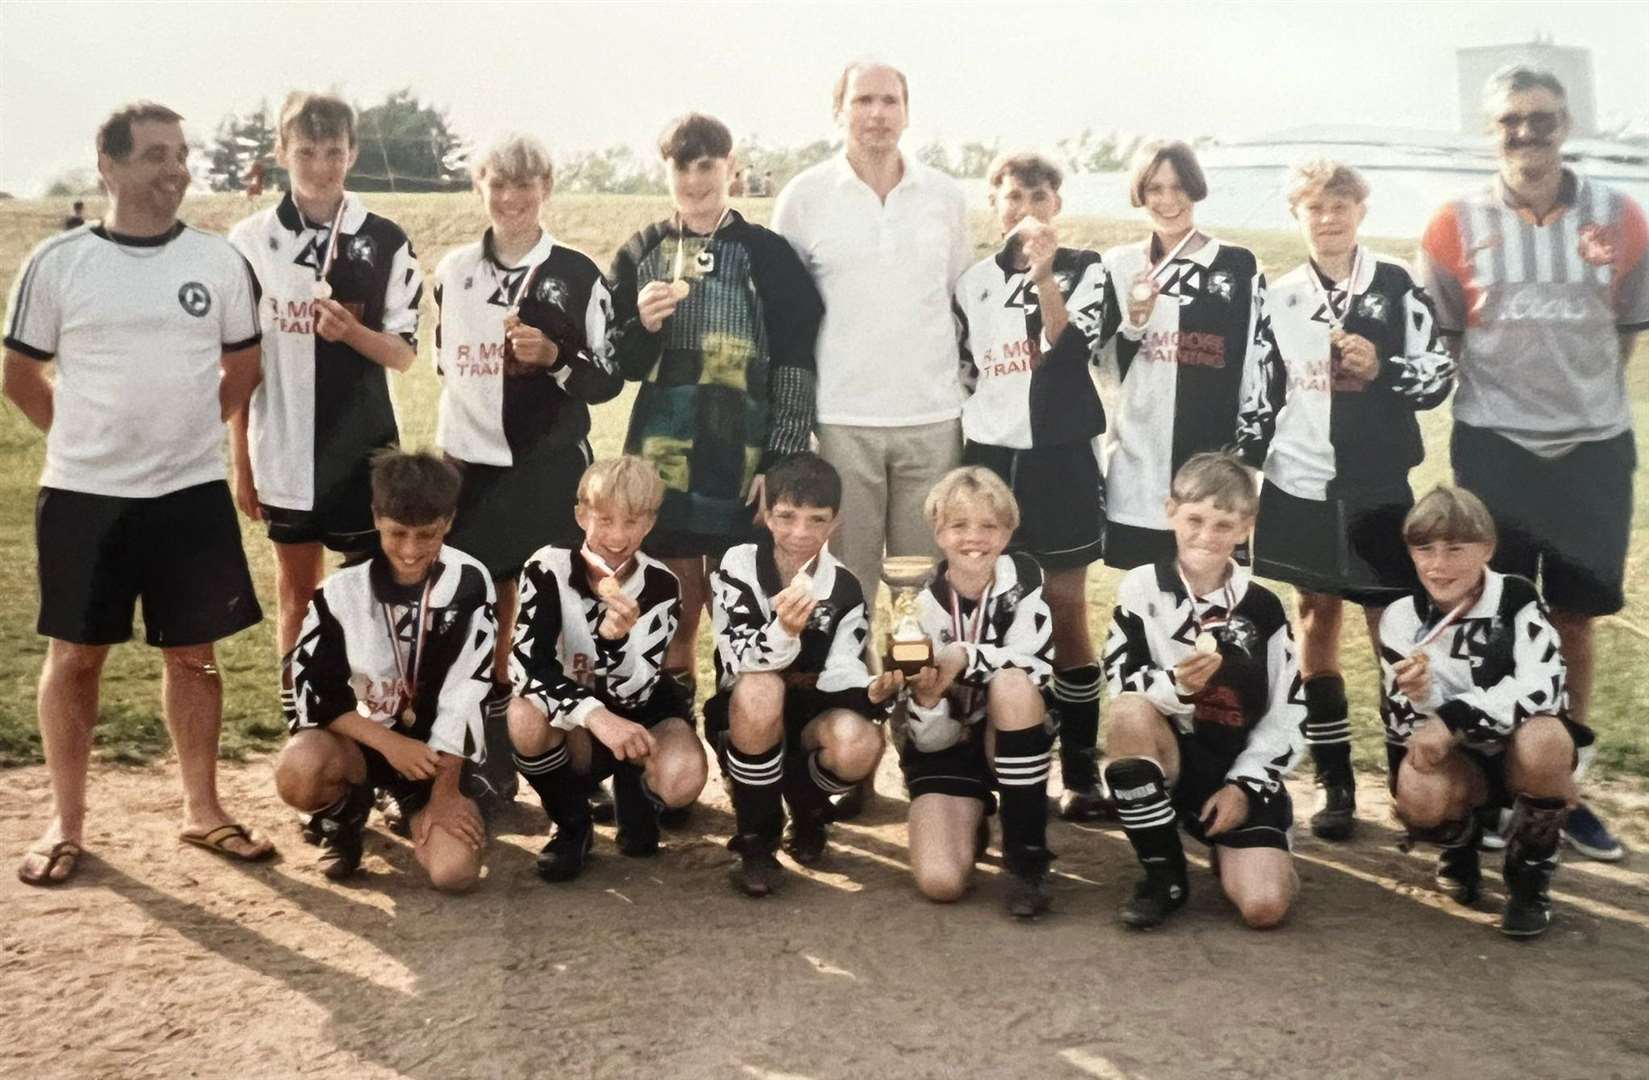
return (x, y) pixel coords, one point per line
(1491, 670)
(1016, 633)
(1318, 433)
(558, 659)
(1252, 711)
(345, 661)
(828, 655)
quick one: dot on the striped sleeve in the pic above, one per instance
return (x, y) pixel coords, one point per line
(403, 293)
(34, 315)
(1631, 269)
(315, 686)
(460, 710)
(1443, 270)
(240, 307)
(1277, 740)
(1424, 374)
(535, 664)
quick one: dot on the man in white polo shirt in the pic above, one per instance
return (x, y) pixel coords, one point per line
(153, 328)
(885, 238)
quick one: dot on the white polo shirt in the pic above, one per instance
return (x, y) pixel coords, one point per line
(138, 328)
(887, 352)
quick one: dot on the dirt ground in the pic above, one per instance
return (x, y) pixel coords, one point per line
(160, 961)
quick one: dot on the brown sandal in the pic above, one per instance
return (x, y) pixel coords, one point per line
(216, 841)
(63, 853)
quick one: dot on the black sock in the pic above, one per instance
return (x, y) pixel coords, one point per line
(1535, 829)
(758, 790)
(809, 785)
(1328, 728)
(635, 807)
(1141, 792)
(564, 793)
(499, 768)
(1076, 703)
(1023, 758)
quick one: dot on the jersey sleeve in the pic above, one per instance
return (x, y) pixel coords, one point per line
(1026, 646)
(240, 327)
(535, 664)
(587, 372)
(968, 367)
(1631, 269)
(1263, 394)
(403, 293)
(1424, 374)
(1129, 666)
(844, 676)
(1441, 268)
(459, 727)
(34, 316)
(791, 312)
(747, 638)
(1397, 635)
(1092, 313)
(1277, 740)
(315, 687)
(636, 350)
(630, 667)
(1533, 684)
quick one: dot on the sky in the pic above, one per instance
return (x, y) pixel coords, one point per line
(589, 75)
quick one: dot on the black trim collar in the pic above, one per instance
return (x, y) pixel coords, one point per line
(103, 232)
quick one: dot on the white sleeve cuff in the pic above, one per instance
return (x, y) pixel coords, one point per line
(578, 716)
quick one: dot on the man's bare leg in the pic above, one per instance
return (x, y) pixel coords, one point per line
(192, 699)
(67, 707)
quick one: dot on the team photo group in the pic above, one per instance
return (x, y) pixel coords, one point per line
(848, 398)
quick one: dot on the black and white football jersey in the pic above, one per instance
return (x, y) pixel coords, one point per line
(1024, 390)
(1494, 667)
(828, 655)
(1319, 433)
(558, 659)
(346, 661)
(322, 407)
(492, 413)
(1014, 631)
(1180, 378)
(1252, 712)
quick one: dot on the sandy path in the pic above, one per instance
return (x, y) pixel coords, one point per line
(163, 962)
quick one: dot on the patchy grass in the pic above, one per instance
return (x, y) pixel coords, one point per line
(131, 728)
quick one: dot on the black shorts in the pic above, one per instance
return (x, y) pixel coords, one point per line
(179, 553)
(1350, 548)
(1201, 774)
(961, 770)
(341, 518)
(669, 702)
(1493, 766)
(801, 705)
(505, 513)
(1564, 522)
(1061, 497)
(1128, 546)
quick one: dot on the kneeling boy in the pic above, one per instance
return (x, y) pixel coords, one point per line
(1479, 710)
(590, 698)
(1206, 707)
(791, 719)
(976, 720)
(387, 682)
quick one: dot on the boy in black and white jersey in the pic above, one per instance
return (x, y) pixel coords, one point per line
(341, 288)
(1479, 709)
(522, 349)
(387, 682)
(587, 661)
(792, 719)
(975, 721)
(1206, 708)
(1031, 319)
(1330, 415)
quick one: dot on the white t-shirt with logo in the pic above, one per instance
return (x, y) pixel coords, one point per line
(138, 328)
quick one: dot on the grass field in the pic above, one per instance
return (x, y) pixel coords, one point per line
(132, 730)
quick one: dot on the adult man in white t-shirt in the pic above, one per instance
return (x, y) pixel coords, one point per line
(153, 329)
(885, 238)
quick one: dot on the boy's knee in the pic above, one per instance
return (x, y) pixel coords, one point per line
(1013, 700)
(530, 730)
(677, 779)
(1544, 743)
(855, 745)
(455, 872)
(1265, 907)
(756, 711)
(303, 771)
(941, 882)
(1425, 800)
(1131, 719)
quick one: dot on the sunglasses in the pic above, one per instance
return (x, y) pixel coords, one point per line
(1541, 123)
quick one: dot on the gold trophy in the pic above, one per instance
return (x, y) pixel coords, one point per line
(908, 648)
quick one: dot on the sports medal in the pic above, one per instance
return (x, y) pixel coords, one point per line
(1336, 320)
(322, 289)
(1144, 287)
(705, 260)
(679, 289)
(1207, 643)
(407, 671)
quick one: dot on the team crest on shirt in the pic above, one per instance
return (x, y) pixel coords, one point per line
(195, 299)
(1220, 284)
(1597, 244)
(1372, 306)
(551, 291)
(361, 249)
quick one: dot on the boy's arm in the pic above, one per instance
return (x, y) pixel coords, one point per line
(395, 346)
(1129, 666)
(1276, 742)
(1533, 685)
(315, 688)
(1424, 374)
(535, 666)
(27, 387)
(747, 638)
(845, 677)
(1264, 391)
(1079, 337)
(587, 372)
(1027, 646)
(791, 312)
(636, 350)
(459, 727)
(633, 664)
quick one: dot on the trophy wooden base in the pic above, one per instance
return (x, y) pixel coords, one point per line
(910, 657)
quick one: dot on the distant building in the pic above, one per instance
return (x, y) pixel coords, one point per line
(1571, 64)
